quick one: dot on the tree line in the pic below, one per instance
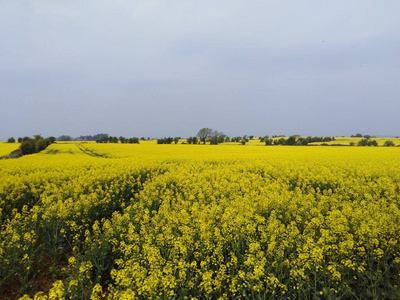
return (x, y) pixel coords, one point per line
(295, 140)
(372, 143)
(30, 145)
(203, 136)
(35, 144)
(168, 140)
(121, 139)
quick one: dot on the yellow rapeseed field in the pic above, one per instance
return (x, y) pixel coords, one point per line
(347, 140)
(7, 148)
(148, 221)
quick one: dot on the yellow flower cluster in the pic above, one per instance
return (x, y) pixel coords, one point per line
(7, 148)
(148, 221)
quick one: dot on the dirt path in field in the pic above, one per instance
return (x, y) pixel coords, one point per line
(91, 152)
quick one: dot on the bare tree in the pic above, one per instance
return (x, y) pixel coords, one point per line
(204, 133)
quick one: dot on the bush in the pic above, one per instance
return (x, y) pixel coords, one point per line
(367, 142)
(28, 147)
(363, 142)
(134, 140)
(389, 143)
(281, 141)
(192, 140)
(167, 140)
(11, 140)
(291, 140)
(15, 154)
(268, 141)
(40, 145)
(373, 143)
(214, 140)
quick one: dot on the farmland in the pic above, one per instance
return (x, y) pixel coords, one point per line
(345, 141)
(7, 148)
(146, 221)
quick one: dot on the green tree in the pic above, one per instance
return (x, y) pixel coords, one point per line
(28, 146)
(281, 141)
(388, 143)
(373, 143)
(38, 137)
(64, 138)
(40, 145)
(103, 139)
(268, 141)
(291, 140)
(366, 142)
(213, 140)
(47, 141)
(11, 140)
(362, 142)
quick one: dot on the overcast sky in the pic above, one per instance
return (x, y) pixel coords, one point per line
(169, 68)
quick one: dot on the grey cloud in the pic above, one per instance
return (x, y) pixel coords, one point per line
(155, 68)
